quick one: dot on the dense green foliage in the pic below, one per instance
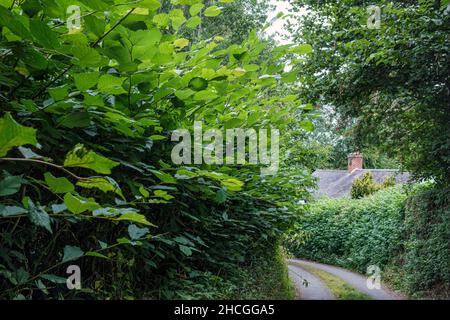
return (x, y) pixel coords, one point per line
(366, 186)
(331, 144)
(384, 91)
(352, 233)
(87, 178)
(406, 234)
(390, 87)
(426, 258)
(237, 20)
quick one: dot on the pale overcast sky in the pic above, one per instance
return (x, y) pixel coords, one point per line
(277, 25)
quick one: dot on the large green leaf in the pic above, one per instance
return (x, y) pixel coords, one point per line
(307, 125)
(86, 56)
(205, 95)
(232, 184)
(181, 43)
(37, 214)
(186, 250)
(72, 253)
(135, 217)
(198, 84)
(13, 134)
(212, 11)
(196, 8)
(43, 34)
(136, 233)
(302, 49)
(150, 4)
(77, 204)
(177, 18)
(85, 81)
(10, 185)
(77, 119)
(111, 84)
(59, 93)
(58, 185)
(8, 20)
(83, 158)
(105, 184)
(9, 211)
(95, 25)
(161, 20)
(221, 195)
(193, 22)
(54, 278)
(164, 177)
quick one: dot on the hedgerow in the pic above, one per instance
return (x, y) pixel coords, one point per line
(405, 231)
(425, 263)
(352, 233)
(85, 151)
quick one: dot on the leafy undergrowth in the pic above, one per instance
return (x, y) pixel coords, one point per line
(340, 289)
(265, 278)
(87, 174)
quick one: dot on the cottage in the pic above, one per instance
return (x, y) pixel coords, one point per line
(338, 183)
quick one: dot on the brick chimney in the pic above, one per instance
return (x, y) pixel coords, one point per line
(355, 161)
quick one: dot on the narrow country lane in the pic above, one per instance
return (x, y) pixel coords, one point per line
(315, 288)
(318, 290)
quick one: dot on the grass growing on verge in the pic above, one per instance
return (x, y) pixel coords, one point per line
(338, 287)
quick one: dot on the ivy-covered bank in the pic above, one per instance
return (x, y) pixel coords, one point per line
(405, 231)
(87, 112)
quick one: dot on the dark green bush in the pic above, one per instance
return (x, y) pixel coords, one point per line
(426, 260)
(352, 233)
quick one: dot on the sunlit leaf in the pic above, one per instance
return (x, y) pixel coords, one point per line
(302, 49)
(196, 8)
(105, 184)
(13, 134)
(77, 204)
(81, 157)
(58, 185)
(135, 217)
(85, 81)
(212, 11)
(111, 84)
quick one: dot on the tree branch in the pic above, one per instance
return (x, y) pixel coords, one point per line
(45, 163)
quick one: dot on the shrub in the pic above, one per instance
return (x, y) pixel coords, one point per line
(352, 233)
(366, 186)
(426, 261)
